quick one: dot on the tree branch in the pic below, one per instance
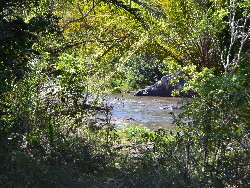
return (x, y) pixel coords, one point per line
(83, 16)
(70, 45)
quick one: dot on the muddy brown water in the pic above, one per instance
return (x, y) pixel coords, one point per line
(149, 112)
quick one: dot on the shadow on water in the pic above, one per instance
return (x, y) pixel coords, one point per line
(149, 112)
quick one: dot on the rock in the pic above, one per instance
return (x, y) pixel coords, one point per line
(163, 88)
(170, 107)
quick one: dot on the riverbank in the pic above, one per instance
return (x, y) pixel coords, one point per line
(129, 157)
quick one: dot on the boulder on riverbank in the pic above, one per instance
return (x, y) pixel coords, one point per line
(163, 88)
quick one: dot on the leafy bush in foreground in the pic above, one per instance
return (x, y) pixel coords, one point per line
(215, 132)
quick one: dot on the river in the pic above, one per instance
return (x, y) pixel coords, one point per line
(148, 112)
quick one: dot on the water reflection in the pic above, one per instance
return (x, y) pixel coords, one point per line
(149, 112)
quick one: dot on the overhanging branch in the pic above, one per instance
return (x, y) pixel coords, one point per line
(74, 44)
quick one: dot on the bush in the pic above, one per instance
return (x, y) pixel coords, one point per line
(214, 132)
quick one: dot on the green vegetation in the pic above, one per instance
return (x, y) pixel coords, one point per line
(57, 58)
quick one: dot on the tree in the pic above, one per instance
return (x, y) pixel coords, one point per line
(238, 32)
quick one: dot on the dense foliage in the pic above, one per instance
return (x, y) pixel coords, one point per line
(58, 57)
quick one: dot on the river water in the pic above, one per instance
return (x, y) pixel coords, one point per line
(150, 112)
